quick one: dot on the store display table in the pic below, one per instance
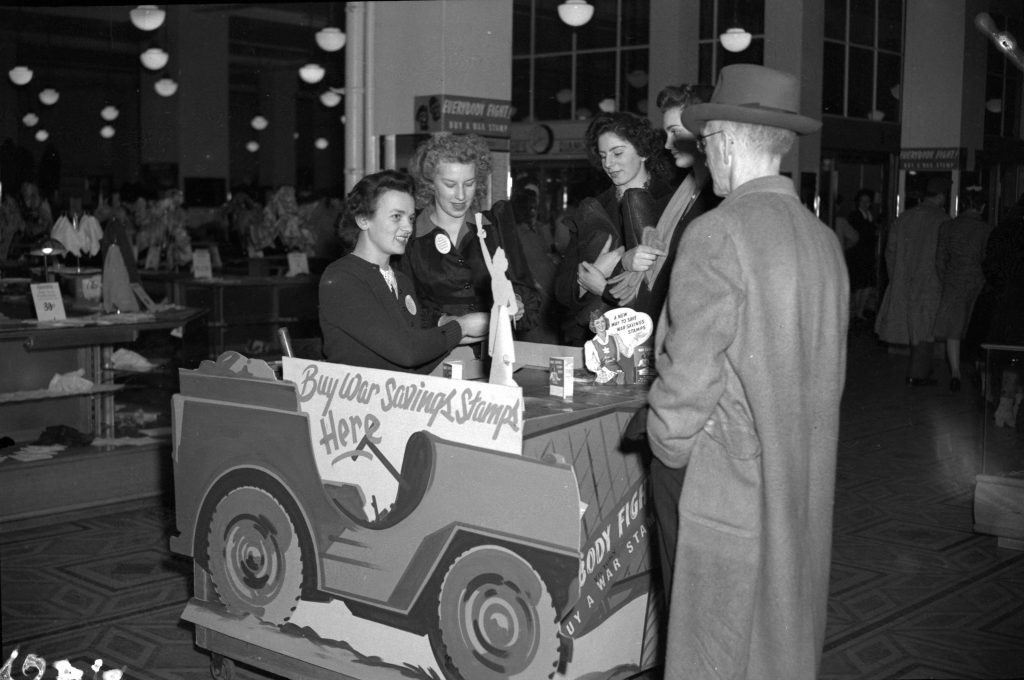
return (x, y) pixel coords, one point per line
(31, 354)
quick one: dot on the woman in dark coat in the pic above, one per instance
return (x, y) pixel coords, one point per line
(861, 258)
(958, 257)
(629, 151)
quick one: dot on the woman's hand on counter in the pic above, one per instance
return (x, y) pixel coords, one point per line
(474, 326)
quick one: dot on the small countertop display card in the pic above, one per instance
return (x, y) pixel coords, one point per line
(560, 378)
(202, 265)
(298, 263)
(49, 304)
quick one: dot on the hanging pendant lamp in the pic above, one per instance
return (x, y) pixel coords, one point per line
(20, 75)
(147, 17)
(312, 73)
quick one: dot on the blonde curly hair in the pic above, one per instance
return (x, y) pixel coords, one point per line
(449, 148)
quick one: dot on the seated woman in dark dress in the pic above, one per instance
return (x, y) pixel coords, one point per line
(369, 312)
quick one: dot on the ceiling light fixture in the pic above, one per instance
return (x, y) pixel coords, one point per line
(575, 12)
(154, 58)
(49, 96)
(994, 105)
(321, 143)
(735, 39)
(147, 17)
(259, 123)
(165, 87)
(109, 113)
(20, 75)
(312, 73)
(330, 39)
(30, 119)
(330, 99)
(252, 146)
(107, 131)
(42, 135)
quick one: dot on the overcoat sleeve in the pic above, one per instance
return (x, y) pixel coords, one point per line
(700, 322)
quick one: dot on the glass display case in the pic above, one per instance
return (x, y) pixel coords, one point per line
(999, 489)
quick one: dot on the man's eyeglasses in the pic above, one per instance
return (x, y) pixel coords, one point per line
(701, 146)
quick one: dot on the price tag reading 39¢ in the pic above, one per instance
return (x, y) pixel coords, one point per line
(49, 304)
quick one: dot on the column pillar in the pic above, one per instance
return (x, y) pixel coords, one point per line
(190, 128)
(278, 89)
(794, 43)
(461, 48)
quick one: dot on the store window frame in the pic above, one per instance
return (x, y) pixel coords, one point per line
(849, 38)
(533, 101)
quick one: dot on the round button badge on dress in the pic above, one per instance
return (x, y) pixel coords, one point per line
(410, 304)
(443, 244)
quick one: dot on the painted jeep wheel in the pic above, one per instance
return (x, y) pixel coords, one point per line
(496, 619)
(254, 555)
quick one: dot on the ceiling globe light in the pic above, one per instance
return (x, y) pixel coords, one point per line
(259, 123)
(312, 73)
(876, 115)
(563, 96)
(735, 39)
(607, 105)
(252, 146)
(154, 58)
(330, 39)
(320, 143)
(330, 99)
(20, 75)
(637, 78)
(994, 106)
(109, 113)
(165, 87)
(42, 135)
(49, 96)
(147, 17)
(30, 119)
(575, 12)
(107, 131)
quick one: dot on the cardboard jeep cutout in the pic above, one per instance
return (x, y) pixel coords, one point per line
(353, 523)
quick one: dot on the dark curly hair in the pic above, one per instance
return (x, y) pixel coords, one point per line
(683, 95)
(450, 148)
(648, 141)
(362, 201)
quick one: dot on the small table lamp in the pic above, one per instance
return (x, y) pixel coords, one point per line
(50, 246)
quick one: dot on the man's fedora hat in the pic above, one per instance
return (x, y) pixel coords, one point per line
(748, 93)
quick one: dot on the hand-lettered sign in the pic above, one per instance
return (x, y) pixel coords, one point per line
(361, 418)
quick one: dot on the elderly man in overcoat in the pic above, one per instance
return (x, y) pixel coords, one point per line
(751, 360)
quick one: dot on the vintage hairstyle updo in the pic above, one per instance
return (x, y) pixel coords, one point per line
(682, 96)
(450, 148)
(362, 201)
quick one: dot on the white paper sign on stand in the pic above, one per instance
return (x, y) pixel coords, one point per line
(358, 415)
(202, 264)
(298, 263)
(49, 304)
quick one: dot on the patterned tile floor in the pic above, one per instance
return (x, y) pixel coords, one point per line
(915, 592)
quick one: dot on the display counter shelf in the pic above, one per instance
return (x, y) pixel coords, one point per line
(41, 395)
(999, 489)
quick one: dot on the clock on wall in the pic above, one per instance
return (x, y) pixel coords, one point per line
(542, 137)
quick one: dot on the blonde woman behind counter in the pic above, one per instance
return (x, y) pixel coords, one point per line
(369, 313)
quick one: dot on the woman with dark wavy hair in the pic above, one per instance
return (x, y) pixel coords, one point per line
(444, 256)
(369, 312)
(608, 228)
